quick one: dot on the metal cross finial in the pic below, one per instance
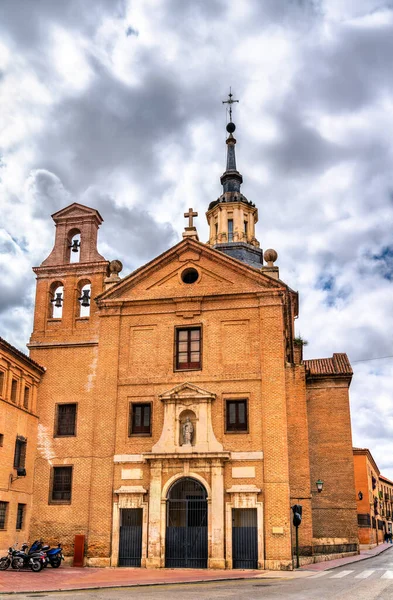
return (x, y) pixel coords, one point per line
(190, 214)
(230, 102)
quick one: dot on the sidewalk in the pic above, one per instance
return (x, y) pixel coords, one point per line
(72, 578)
(340, 562)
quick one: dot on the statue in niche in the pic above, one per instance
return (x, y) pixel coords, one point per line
(187, 430)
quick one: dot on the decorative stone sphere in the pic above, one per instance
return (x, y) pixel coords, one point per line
(231, 127)
(115, 266)
(270, 256)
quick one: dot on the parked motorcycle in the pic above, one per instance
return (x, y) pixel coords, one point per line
(21, 559)
(5, 561)
(54, 555)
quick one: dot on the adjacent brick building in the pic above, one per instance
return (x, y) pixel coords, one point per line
(374, 494)
(19, 380)
(179, 423)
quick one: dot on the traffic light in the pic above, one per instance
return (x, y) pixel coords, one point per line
(297, 514)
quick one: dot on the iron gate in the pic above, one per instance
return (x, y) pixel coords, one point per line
(244, 538)
(130, 545)
(186, 525)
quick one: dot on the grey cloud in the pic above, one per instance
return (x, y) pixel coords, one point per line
(130, 234)
(27, 22)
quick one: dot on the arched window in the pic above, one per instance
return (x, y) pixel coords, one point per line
(84, 299)
(74, 246)
(56, 300)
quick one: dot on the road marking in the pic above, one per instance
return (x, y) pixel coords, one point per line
(365, 574)
(387, 575)
(319, 574)
(342, 574)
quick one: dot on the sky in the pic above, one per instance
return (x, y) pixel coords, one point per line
(118, 105)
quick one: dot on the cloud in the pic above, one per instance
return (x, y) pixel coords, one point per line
(118, 105)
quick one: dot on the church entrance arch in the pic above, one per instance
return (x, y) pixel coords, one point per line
(186, 525)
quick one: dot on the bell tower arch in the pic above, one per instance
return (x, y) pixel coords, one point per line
(64, 311)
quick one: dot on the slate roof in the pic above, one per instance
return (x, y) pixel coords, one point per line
(338, 364)
(21, 355)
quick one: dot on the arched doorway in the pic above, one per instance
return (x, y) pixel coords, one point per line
(186, 525)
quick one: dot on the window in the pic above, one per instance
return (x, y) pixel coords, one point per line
(1, 439)
(20, 516)
(66, 420)
(237, 415)
(364, 520)
(3, 514)
(14, 390)
(216, 230)
(140, 419)
(20, 452)
(26, 396)
(61, 485)
(188, 348)
(230, 230)
(1, 382)
(245, 228)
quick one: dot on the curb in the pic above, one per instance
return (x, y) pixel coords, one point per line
(350, 562)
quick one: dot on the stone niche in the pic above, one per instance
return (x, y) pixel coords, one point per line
(187, 424)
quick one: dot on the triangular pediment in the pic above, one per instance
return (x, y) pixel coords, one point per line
(76, 211)
(187, 390)
(218, 274)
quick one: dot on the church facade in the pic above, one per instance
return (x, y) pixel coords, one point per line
(178, 420)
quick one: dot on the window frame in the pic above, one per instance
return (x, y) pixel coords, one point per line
(6, 512)
(20, 455)
(230, 233)
(237, 401)
(131, 432)
(26, 397)
(14, 390)
(56, 433)
(20, 516)
(52, 481)
(2, 383)
(176, 363)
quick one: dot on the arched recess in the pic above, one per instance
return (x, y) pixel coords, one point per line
(83, 298)
(56, 300)
(73, 252)
(174, 478)
(186, 536)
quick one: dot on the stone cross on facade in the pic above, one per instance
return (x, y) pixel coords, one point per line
(190, 231)
(190, 214)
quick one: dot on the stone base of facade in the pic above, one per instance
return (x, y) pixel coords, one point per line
(317, 558)
(278, 565)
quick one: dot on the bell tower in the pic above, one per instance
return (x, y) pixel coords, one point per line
(232, 217)
(69, 279)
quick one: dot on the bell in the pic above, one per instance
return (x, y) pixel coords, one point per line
(85, 298)
(75, 246)
(58, 300)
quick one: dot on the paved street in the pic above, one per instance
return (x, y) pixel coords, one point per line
(366, 580)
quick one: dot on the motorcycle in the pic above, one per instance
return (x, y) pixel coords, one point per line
(5, 561)
(21, 559)
(54, 555)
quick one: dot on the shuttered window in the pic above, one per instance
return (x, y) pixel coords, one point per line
(237, 415)
(61, 484)
(20, 452)
(20, 515)
(188, 348)
(1, 383)
(14, 390)
(3, 514)
(66, 420)
(140, 419)
(26, 397)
